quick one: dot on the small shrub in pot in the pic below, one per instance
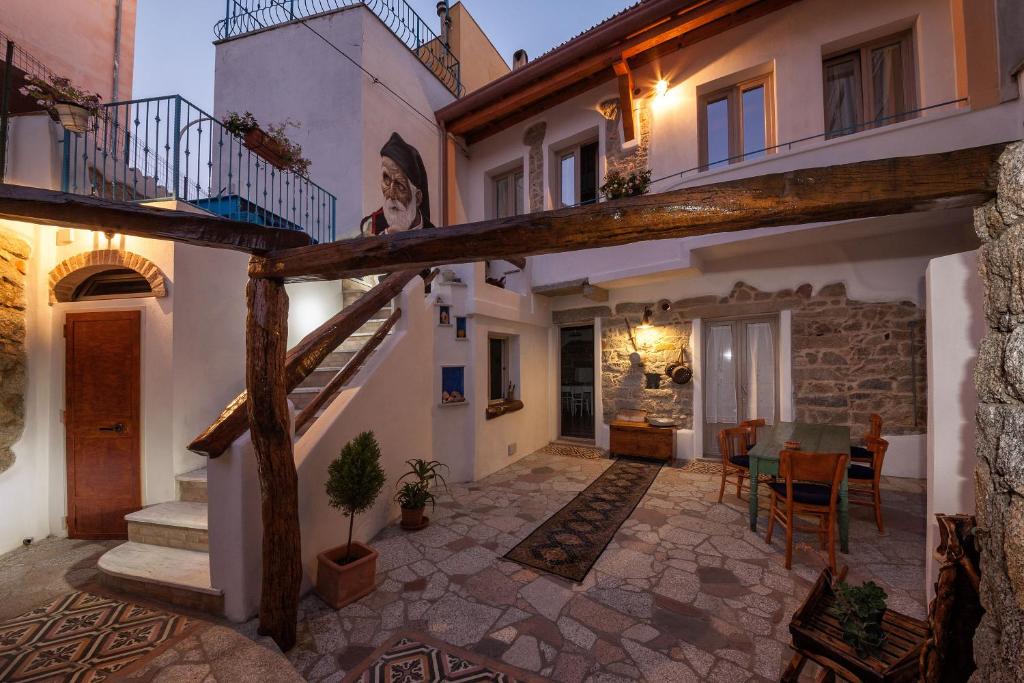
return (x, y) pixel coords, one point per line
(413, 496)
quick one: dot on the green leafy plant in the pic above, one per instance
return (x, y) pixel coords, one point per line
(415, 496)
(290, 153)
(57, 90)
(860, 610)
(616, 185)
(426, 472)
(240, 124)
(355, 479)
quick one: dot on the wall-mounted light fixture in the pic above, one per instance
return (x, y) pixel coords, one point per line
(661, 88)
(648, 317)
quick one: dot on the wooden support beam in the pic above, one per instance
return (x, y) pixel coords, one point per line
(595, 293)
(345, 375)
(858, 190)
(266, 340)
(65, 210)
(302, 360)
(583, 287)
(625, 77)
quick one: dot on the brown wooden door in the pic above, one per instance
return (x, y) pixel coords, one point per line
(102, 422)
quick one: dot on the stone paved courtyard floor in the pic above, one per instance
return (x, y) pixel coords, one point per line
(684, 592)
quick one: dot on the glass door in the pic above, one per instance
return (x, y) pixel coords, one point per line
(741, 375)
(576, 380)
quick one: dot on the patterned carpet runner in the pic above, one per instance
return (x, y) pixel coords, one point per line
(574, 451)
(570, 541)
(415, 658)
(82, 637)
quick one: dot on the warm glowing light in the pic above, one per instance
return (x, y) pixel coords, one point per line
(647, 336)
(661, 88)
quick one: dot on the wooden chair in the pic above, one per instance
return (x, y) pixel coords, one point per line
(751, 427)
(863, 480)
(861, 453)
(810, 486)
(732, 444)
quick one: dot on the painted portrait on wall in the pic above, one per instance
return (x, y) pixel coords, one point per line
(404, 189)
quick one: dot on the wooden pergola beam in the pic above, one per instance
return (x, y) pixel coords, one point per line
(833, 193)
(625, 79)
(21, 203)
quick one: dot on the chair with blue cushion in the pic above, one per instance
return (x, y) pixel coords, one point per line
(732, 444)
(809, 485)
(864, 479)
(863, 453)
(751, 427)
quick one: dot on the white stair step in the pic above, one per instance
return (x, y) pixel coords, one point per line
(172, 567)
(193, 476)
(178, 513)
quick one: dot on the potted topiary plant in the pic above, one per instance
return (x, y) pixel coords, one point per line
(66, 104)
(355, 479)
(413, 496)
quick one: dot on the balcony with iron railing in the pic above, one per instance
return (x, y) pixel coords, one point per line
(245, 16)
(168, 148)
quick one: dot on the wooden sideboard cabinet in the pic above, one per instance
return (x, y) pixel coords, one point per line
(641, 440)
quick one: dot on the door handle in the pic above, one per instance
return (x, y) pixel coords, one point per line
(119, 428)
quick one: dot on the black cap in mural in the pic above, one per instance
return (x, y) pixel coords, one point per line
(409, 160)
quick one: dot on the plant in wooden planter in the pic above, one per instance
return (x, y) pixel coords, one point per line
(616, 185)
(66, 104)
(860, 610)
(413, 496)
(272, 144)
(355, 479)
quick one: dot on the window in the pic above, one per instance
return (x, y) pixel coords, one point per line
(113, 283)
(508, 194)
(577, 175)
(736, 123)
(497, 368)
(869, 86)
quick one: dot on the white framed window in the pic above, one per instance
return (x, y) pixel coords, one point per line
(576, 170)
(507, 194)
(736, 122)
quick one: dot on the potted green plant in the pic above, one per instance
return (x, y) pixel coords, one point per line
(355, 479)
(272, 144)
(616, 185)
(413, 496)
(860, 610)
(66, 104)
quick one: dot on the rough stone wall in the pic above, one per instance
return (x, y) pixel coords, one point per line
(533, 138)
(850, 358)
(13, 254)
(999, 477)
(631, 159)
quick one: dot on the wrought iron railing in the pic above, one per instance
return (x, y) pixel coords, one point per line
(243, 16)
(168, 148)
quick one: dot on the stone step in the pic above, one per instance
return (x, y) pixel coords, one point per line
(192, 486)
(173, 575)
(303, 396)
(177, 524)
(320, 377)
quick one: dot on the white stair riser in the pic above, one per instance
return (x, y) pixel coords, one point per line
(169, 536)
(192, 491)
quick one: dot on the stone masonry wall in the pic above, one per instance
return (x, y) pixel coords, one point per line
(533, 138)
(13, 360)
(633, 158)
(999, 476)
(850, 358)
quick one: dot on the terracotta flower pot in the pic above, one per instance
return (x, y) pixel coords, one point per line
(413, 518)
(73, 117)
(264, 146)
(341, 584)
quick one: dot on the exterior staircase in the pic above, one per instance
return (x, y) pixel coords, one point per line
(167, 554)
(351, 290)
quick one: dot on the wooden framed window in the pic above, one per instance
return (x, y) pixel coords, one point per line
(508, 194)
(736, 123)
(497, 368)
(869, 86)
(577, 180)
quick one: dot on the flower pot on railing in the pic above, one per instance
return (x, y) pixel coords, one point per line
(73, 117)
(261, 144)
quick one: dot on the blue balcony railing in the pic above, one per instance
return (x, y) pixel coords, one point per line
(243, 16)
(168, 148)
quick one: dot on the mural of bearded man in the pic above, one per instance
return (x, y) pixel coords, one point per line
(403, 183)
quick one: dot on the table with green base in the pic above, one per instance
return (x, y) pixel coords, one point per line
(813, 438)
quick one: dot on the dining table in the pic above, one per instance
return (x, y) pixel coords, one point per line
(813, 438)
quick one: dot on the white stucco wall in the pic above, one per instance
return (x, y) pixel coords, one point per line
(956, 325)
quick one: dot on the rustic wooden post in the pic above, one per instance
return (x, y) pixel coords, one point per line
(266, 342)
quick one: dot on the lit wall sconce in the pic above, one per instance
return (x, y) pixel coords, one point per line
(661, 88)
(648, 316)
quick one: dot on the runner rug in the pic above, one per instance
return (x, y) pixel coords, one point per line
(570, 541)
(415, 658)
(82, 637)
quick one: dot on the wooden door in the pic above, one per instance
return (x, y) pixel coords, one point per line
(102, 422)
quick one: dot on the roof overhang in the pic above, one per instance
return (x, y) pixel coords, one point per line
(635, 37)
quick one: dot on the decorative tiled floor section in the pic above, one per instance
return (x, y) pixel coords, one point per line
(82, 637)
(684, 591)
(570, 450)
(413, 658)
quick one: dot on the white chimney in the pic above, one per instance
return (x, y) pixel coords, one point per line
(446, 20)
(519, 59)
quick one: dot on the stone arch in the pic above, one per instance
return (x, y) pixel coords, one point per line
(73, 271)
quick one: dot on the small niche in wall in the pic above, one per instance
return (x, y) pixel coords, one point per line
(460, 328)
(453, 384)
(444, 315)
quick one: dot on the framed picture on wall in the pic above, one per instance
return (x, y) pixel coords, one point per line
(453, 384)
(460, 328)
(444, 315)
